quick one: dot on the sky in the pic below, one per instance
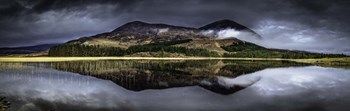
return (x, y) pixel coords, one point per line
(311, 25)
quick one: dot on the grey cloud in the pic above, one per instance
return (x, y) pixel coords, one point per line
(29, 22)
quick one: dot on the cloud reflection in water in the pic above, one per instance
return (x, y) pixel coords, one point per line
(286, 89)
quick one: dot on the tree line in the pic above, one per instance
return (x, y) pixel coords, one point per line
(80, 50)
(85, 50)
(237, 50)
(254, 51)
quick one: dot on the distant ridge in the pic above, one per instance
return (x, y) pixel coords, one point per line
(26, 49)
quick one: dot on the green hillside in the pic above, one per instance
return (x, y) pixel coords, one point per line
(243, 49)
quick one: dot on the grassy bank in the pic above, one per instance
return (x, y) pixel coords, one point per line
(327, 62)
(319, 61)
(58, 59)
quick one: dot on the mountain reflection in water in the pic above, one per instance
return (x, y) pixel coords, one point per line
(159, 85)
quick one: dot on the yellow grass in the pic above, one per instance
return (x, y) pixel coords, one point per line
(338, 61)
(329, 61)
(58, 59)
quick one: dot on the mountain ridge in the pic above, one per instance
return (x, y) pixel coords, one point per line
(228, 24)
(150, 25)
(223, 24)
(136, 32)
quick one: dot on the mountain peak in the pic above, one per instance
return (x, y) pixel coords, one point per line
(131, 25)
(226, 20)
(228, 24)
(140, 27)
(223, 24)
(136, 23)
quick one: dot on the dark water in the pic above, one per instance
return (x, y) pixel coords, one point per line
(174, 85)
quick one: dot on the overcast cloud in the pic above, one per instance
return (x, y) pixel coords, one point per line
(313, 25)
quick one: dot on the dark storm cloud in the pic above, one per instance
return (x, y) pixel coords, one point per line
(48, 21)
(28, 22)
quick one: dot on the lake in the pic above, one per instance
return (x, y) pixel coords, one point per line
(173, 85)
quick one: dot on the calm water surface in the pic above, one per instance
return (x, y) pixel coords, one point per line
(174, 85)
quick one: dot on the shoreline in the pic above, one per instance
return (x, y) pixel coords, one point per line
(338, 61)
(343, 62)
(61, 59)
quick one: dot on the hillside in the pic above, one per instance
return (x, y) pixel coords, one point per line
(161, 40)
(26, 49)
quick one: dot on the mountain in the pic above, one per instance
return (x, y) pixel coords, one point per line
(227, 24)
(224, 24)
(141, 33)
(138, 27)
(161, 40)
(26, 49)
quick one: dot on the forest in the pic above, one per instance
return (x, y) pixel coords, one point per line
(242, 50)
(250, 50)
(69, 50)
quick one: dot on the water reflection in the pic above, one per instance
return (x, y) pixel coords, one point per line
(37, 86)
(141, 75)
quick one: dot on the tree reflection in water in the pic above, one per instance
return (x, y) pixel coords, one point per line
(147, 74)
